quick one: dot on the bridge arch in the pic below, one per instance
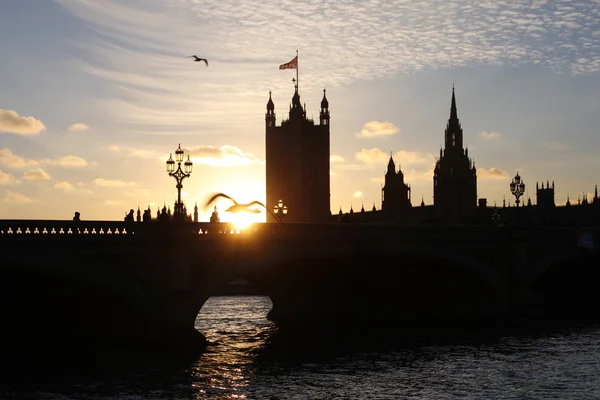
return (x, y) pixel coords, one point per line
(563, 285)
(379, 283)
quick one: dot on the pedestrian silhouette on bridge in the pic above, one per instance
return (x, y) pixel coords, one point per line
(129, 217)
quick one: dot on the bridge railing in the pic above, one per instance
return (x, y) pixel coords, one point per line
(93, 228)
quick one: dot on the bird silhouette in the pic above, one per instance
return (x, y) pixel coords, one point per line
(196, 58)
(237, 207)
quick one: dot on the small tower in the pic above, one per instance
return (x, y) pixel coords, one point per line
(196, 212)
(395, 193)
(138, 217)
(214, 217)
(544, 195)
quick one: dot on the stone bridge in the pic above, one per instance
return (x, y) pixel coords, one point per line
(134, 281)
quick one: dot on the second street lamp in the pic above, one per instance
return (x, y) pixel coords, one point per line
(280, 211)
(179, 176)
(517, 188)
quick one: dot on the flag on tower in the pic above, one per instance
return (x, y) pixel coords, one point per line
(291, 65)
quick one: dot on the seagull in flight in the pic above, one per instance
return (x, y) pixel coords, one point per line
(237, 207)
(196, 58)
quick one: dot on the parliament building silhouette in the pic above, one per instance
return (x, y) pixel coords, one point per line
(297, 172)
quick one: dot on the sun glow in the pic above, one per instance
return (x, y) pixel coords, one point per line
(243, 220)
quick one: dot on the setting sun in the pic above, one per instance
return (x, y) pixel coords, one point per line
(243, 220)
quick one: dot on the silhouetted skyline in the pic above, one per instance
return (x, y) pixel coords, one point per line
(95, 97)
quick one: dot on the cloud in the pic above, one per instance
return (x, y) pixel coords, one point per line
(489, 135)
(36, 174)
(378, 180)
(357, 194)
(333, 158)
(377, 128)
(9, 159)
(79, 127)
(112, 183)
(114, 148)
(69, 188)
(6, 179)
(11, 122)
(492, 173)
(402, 157)
(223, 156)
(14, 197)
(69, 161)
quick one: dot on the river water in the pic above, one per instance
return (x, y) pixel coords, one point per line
(248, 358)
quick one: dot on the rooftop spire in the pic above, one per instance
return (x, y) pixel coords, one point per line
(453, 114)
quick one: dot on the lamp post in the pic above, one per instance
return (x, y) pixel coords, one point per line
(280, 211)
(517, 188)
(179, 176)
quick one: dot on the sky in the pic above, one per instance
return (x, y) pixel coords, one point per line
(95, 95)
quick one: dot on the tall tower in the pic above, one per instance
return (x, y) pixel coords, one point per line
(297, 162)
(454, 176)
(395, 194)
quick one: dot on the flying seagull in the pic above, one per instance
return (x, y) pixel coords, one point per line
(196, 58)
(237, 207)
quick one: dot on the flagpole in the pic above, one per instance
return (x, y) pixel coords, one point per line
(297, 67)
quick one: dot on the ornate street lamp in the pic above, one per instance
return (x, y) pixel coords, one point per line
(179, 176)
(280, 211)
(517, 188)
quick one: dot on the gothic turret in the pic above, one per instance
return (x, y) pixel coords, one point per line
(324, 115)
(270, 115)
(296, 109)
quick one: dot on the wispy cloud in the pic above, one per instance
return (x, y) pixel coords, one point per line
(378, 128)
(69, 188)
(114, 203)
(357, 194)
(112, 183)
(11, 160)
(401, 158)
(491, 173)
(79, 127)
(36, 174)
(6, 179)
(489, 135)
(390, 38)
(336, 159)
(68, 162)
(372, 156)
(223, 156)
(15, 197)
(12, 122)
